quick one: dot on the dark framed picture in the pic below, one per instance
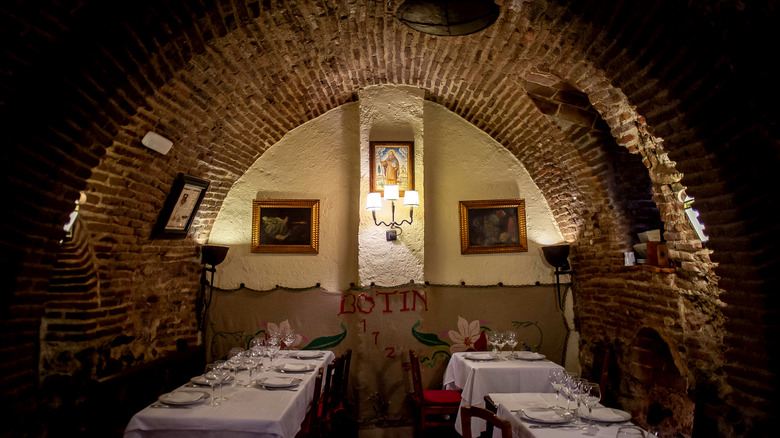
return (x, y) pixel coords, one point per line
(391, 163)
(180, 207)
(286, 226)
(494, 226)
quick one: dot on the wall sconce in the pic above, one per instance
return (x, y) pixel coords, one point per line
(210, 255)
(374, 203)
(558, 257)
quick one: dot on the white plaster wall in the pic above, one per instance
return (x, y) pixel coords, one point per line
(463, 163)
(391, 113)
(317, 160)
(324, 159)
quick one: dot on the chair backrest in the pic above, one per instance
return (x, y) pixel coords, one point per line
(347, 357)
(313, 414)
(327, 388)
(414, 365)
(467, 412)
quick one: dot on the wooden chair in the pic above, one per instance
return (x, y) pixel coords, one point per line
(346, 357)
(468, 412)
(310, 425)
(436, 403)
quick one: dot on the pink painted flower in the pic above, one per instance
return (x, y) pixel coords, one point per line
(466, 336)
(282, 329)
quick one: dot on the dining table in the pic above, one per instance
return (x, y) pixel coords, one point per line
(254, 409)
(531, 417)
(477, 374)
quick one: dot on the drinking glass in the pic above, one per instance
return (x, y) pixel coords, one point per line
(273, 346)
(557, 377)
(630, 432)
(212, 378)
(222, 371)
(250, 361)
(569, 383)
(498, 341)
(510, 338)
(592, 393)
(289, 338)
(235, 360)
(578, 396)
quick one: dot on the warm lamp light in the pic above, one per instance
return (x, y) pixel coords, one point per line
(391, 192)
(411, 198)
(374, 203)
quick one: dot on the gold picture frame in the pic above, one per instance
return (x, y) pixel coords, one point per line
(493, 226)
(286, 226)
(391, 162)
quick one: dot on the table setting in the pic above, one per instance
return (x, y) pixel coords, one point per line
(478, 373)
(542, 415)
(246, 395)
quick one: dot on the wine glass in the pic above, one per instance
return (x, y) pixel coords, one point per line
(510, 338)
(272, 347)
(592, 393)
(222, 371)
(235, 361)
(251, 360)
(212, 378)
(577, 395)
(557, 378)
(569, 383)
(289, 339)
(500, 342)
(630, 432)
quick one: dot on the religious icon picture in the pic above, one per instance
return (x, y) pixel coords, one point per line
(392, 163)
(494, 226)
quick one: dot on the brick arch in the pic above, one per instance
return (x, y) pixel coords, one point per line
(97, 73)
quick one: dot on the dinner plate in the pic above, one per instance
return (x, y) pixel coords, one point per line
(529, 355)
(278, 382)
(606, 415)
(479, 356)
(543, 415)
(307, 354)
(200, 380)
(295, 368)
(182, 398)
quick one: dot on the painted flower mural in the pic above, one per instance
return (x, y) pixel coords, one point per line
(281, 330)
(466, 337)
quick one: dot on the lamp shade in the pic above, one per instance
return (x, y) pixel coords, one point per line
(411, 198)
(556, 255)
(374, 201)
(391, 192)
(213, 255)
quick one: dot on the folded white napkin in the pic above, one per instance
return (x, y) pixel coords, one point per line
(542, 414)
(529, 355)
(608, 414)
(479, 356)
(181, 397)
(278, 381)
(295, 367)
(308, 354)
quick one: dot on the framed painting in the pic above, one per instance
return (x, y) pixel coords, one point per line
(180, 207)
(391, 163)
(494, 226)
(286, 226)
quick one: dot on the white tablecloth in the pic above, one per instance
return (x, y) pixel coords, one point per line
(248, 412)
(520, 429)
(479, 378)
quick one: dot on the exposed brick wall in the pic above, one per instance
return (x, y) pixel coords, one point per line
(82, 82)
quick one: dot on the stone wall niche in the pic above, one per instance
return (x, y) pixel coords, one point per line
(660, 392)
